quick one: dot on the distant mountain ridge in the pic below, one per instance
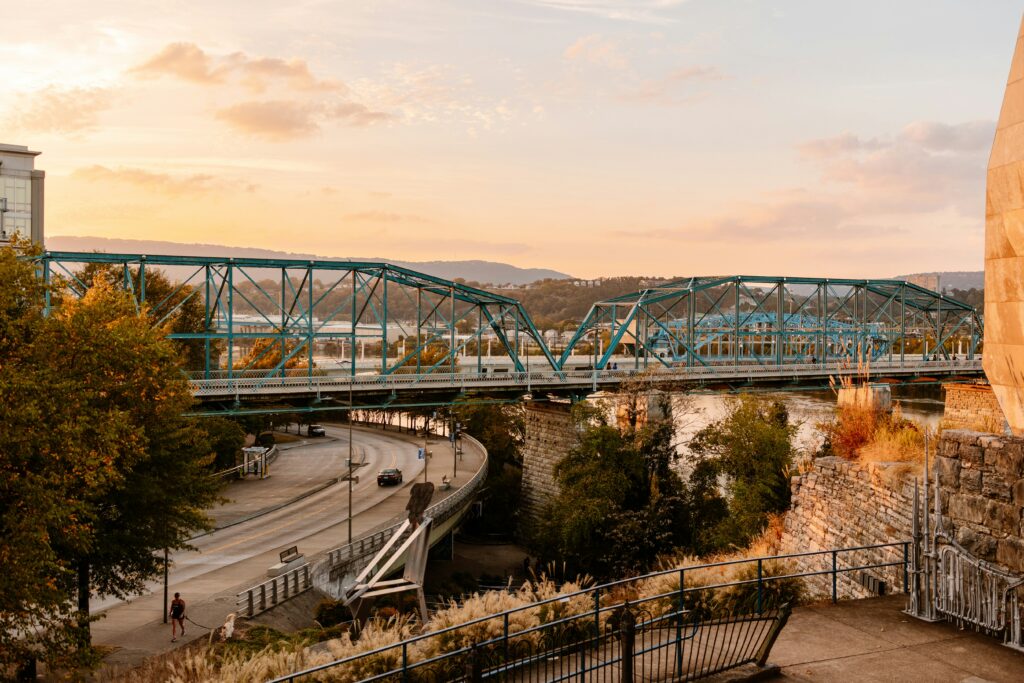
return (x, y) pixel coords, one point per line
(487, 272)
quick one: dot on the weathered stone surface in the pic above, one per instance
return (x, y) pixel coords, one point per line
(949, 471)
(1017, 492)
(550, 435)
(1010, 554)
(968, 507)
(1004, 251)
(1006, 459)
(971, 406)
(981, 544)
(970, 480)
(996, 485)
(1002, 517)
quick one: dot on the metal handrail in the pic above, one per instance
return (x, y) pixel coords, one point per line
(604, 589)
(292, 583)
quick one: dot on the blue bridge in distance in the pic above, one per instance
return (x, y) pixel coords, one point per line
(266, 335)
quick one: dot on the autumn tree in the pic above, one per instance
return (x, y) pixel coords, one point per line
(176, 308)
(99, 468)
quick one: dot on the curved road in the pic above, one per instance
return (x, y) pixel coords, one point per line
(238, 555)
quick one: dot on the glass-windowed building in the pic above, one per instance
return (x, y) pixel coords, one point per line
(21, 194)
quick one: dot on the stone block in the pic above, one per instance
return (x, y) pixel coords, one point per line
(971, 454)
(1002, 517)
(1008, 459)
(982, 545)
(949, 472)
(996, 485)
(968, 508)
(970, 480)
(1017, 492)
(1010, 554)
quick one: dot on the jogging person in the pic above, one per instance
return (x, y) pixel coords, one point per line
(177, 615)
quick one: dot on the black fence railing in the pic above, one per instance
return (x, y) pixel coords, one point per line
(679, 624)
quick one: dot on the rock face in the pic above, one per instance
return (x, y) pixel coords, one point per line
(1004, 251)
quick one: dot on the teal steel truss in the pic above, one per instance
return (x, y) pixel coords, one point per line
(276, 317)
(735, 320)
(241, 318)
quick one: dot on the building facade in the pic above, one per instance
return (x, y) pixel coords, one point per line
(21, 194)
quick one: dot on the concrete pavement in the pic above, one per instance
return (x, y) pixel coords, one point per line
(237, 555)
(872, 640)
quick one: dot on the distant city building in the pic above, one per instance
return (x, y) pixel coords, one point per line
(21, 194)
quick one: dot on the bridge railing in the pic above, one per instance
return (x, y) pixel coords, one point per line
(263, 596)
(570, 378)
(695, 610)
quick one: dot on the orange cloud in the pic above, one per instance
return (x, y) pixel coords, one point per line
(183, 60)
(59, 110)
(190, 62)
(279, 120)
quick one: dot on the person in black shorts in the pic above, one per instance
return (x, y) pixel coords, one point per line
(177, 616)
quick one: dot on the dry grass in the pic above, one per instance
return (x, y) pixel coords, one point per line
(865, 435)
(225, 662)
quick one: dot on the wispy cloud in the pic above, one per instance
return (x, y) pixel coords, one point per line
(384, 217)
(279, 120)
(645, 11)
(596, 49)
(676, 87)
(67, 111)
(161, 183)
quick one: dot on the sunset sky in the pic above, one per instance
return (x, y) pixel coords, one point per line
(595, 137)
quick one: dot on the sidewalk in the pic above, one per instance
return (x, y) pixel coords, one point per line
(136, 630)
(873, 640)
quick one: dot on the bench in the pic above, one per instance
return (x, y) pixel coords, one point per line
(290, 559)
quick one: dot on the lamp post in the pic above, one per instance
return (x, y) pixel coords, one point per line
(350, 460)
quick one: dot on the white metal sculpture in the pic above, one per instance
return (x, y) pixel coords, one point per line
(371, 582)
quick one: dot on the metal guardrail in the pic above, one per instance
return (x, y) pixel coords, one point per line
(263, 596)
(397, 661)
(548, 379)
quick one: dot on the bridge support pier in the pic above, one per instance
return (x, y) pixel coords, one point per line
(550, 434)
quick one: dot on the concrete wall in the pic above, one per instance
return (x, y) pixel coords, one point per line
(973, 407)
(550, 435)
(981, 478)
(841, 504)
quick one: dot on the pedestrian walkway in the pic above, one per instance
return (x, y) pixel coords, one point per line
(873, 640)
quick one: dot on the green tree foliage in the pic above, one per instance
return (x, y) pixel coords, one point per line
(750, 451)
(98, 467)
(226, 438)
(621, 504)
(501, 429)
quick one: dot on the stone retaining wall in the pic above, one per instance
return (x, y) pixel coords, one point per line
(981, 479)
(841, 504)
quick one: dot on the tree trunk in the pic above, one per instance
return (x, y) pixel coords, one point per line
(83, 601)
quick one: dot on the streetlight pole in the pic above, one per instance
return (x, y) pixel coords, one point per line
(350, 460)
